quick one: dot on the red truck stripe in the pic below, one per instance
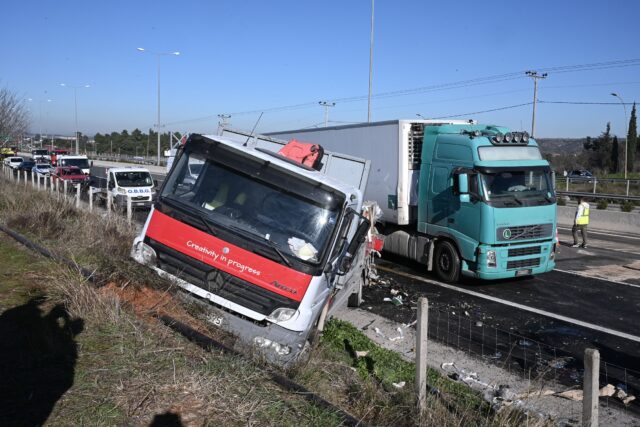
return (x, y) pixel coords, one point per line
(222, 255)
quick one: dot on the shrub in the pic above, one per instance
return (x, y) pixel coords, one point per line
(626, 206)
(603, 204)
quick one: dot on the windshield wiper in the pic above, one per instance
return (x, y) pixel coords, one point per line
(186, 211)
(262, 238)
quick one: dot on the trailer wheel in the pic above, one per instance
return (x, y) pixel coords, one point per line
(355, 299)
(447, 262)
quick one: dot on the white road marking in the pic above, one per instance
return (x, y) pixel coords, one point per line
(604, 233)
(581, 274)
(520, 306)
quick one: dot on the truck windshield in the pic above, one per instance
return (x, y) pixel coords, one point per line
(259, 202)
(134, 179)
(524, 187)
(81, 163)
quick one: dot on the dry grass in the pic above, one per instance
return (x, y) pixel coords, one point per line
(130, 368)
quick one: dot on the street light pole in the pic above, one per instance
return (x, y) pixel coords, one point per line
(626, 138)
(158, 55)
(370, 65)
(75, 99)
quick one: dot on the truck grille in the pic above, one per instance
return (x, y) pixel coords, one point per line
(532, 250)
(522, 263)
(138, 198)
(523, 232)
(218, 282)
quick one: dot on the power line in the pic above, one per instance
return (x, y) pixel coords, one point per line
(508, 107)
(498, 78)
(584, 103)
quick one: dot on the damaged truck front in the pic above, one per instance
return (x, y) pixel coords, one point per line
(272, 245)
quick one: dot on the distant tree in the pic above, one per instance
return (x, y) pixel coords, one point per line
(632, 139)
(14, 117)
(600, 150)
(615, 156)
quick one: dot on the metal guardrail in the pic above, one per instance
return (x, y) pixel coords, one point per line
(598, 195)
(626, 188)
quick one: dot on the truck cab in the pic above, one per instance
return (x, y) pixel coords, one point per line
(490, 201)
(267, 243)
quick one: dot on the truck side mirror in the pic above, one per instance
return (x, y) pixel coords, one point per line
(358, 239)
(155, 183)
(463, 188)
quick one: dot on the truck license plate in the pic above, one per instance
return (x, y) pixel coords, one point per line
(525, 272)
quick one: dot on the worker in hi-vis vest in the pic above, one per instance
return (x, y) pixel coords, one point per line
(580, 223)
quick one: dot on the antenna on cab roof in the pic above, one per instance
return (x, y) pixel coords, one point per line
(252, 130)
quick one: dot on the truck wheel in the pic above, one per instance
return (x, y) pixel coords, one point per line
(355, 299)
(447, 263)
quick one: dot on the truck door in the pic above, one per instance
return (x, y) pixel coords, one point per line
(465, 217)
(440, 195)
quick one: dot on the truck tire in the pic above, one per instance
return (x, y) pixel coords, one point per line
(447, 262)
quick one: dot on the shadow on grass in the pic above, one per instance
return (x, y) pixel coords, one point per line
(37, 359)
(168, 419)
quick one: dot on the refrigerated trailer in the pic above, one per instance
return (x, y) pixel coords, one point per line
(460, 197)
(270, 245)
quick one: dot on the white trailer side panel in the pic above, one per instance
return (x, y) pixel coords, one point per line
(384, 144)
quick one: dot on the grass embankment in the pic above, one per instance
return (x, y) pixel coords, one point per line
(72, 354)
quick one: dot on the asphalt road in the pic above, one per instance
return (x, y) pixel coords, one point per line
(592, 300)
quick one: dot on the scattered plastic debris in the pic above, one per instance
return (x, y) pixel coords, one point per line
(575, 395)
(379, 332)
(399, 337)
(394, 292)
(386, 299)
(607, 390)
(399, 385)
(559, 363)
(360, 354)
(496, 355)
(525, 343)
(408, 325)
(479, 323)
(397, 300)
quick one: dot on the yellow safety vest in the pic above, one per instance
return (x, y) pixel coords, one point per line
(583, 219)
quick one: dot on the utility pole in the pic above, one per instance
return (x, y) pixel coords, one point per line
(626, 139)
(535, 76)
(222, 122)
(326, 105)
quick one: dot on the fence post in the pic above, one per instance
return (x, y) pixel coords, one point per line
(591, 391)
(129, 209)
(33, 179)
(65, 188)
(595, 181)
(567, 186)
(77, 195)
(37, 179)
(109, 198)
(628, 187)
(50, 183)
(90, 199)
(421, 353)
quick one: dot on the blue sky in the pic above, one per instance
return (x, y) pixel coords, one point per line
(246, 56)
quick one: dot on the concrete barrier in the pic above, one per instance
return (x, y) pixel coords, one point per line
(621, 222)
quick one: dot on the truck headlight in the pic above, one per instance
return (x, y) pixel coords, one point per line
(122, 191)
(266, 343)
(281, 314)
(145, 254)
(491, 259)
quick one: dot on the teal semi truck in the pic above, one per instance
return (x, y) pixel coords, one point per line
(463, 198)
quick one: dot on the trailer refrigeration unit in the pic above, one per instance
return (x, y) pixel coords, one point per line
(273, 246)
(460, 197)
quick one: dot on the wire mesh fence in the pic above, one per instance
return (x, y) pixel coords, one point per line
(540, 365)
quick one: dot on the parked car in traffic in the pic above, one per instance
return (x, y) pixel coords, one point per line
(26, 165)
(42, 169)
(580, 175)
(72, 174)
(13, 161)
